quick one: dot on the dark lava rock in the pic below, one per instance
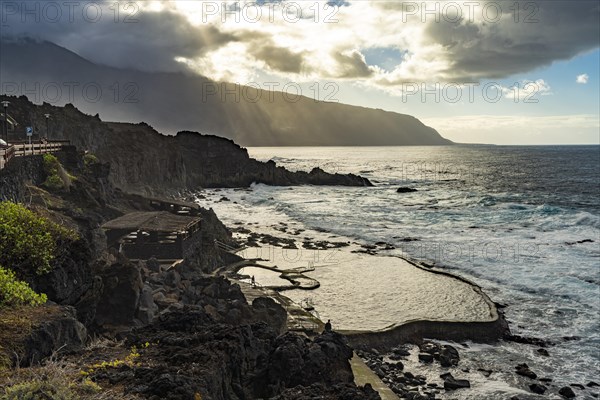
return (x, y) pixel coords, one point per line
(406, 190)
(430, 348)
(537, 388)
(523, 370)
(451, 383)
(270, 312)
(592, 384)
(60, 331)
(578, 386)
(71, 275)
(425, 357)
(526, 340)
(121, 292)
(401, 351)
(449, 356)
(336, 392)
(219, 347)
(543, 352)
(566, 392)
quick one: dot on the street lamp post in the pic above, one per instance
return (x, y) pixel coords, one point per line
(47, 126)
(5, 105)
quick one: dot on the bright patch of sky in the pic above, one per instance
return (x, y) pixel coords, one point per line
(384, 58)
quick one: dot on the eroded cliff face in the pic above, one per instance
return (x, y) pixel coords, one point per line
(146, 162)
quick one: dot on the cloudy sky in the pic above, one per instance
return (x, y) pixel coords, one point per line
(506, 72)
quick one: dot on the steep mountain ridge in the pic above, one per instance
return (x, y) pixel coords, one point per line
(174, 102)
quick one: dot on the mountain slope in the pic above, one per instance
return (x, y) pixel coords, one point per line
(173, 102)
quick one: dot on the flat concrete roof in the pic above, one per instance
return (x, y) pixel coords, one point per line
(154, 221)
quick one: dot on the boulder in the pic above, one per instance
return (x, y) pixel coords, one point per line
(449, 356)
(537, 388)
(406, 190)
(270, 312)
(54, 328)
(147, 308)
(543, 352)
(451, 383)
(120, 297)
(71, 275)
(523, 370)
(566, 392)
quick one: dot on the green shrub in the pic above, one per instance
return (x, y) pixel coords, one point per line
(14, 292)
(28, 242)
(56, 176)
(54, 183)
(90, 159)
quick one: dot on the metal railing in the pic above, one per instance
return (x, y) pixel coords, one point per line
(227, 248)
(21, 149)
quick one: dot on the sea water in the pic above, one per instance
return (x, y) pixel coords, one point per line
(523, 222)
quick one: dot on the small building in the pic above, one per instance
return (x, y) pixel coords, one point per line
(159, 234)
(11, 123)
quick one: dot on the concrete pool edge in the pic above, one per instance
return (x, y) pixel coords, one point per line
(415, 331)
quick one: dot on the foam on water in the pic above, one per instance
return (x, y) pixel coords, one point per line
(522, 222)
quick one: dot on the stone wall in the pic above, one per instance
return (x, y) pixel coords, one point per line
(17, 173)
(416, 331)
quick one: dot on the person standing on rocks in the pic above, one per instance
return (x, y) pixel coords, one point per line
(253, 281)
(328, 326)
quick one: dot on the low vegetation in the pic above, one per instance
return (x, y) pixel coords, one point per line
(56, 176)
(52, 381)
(62, 379)
(90, 159)
(14, 292)
(29, 243)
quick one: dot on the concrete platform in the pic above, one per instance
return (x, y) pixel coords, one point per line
(298, 320)
(364, 375)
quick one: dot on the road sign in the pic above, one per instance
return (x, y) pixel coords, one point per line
(29, 131)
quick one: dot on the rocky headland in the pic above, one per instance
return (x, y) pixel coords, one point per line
(144, 161)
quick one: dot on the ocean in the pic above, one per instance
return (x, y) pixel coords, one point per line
(522, 222)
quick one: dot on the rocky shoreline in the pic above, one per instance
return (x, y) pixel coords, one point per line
(169, 331)
(401, 366)
(179, 331)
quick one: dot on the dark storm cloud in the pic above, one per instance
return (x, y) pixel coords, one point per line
(472, 50)
(542, 32)
(138, 39)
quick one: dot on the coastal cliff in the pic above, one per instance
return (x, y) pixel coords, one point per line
(175, 333)
(147, 162)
